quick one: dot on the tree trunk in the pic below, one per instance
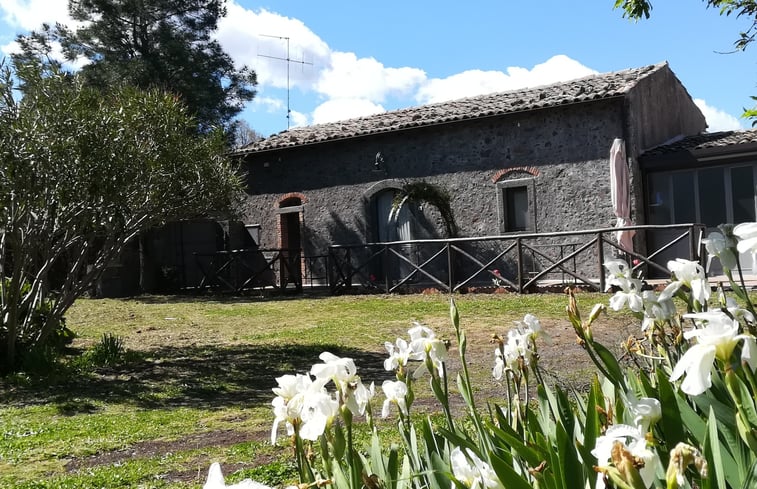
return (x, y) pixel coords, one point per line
(147, 275)
(12, 298)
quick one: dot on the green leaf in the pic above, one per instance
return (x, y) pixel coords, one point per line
(750, 482)
(533, 455)
(406, 478)
(392, 467)
(671, 422)
(713, 453)
(610, 363)
(339, 478)
(746, 418)
(339, 443)
(572, 467)
(565, 411)
(591, 425)
(507, 475)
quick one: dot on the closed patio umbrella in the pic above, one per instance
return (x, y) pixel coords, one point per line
(620, 194)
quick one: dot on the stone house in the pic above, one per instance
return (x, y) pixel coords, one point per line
(526, 161)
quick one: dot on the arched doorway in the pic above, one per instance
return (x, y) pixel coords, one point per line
(290, 240)
(393, 226)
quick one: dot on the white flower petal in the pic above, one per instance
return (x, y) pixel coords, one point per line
(697, 364)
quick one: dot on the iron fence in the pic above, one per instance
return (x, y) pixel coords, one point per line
(519, 262)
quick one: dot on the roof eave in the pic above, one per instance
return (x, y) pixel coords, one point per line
(689, 158)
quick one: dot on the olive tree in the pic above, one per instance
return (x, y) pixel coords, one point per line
(82, 172)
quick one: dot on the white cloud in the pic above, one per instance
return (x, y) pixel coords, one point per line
(258, 38)
(298, 119)
(718, 120)
(31, 14)
(351, 77)
(284, 52)
(349, 86)
(344, 108)
(55, 53)
(477, 82)
(269, 104)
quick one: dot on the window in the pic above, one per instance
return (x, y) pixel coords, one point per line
(711, 196)
(516, 205)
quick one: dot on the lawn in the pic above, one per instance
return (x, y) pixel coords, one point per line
(195, 384)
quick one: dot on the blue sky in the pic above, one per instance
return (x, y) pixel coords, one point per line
(357, 58)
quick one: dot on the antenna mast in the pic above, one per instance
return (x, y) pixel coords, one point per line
(289, 61)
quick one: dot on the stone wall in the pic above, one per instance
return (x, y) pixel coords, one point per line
(564, 151)
(567, 147)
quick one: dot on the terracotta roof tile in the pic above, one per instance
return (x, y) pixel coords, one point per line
(594, 87)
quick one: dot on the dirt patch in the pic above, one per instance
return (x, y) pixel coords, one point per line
(153, 448)
(195, 441)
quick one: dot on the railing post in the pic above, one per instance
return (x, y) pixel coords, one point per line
(601, 258)
(385, 269)
(693, 251)
(450, 273)
(519, 256)
(330, 273)
(348, 261)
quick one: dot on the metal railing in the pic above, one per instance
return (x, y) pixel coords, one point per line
(453, 264)
(239, 270)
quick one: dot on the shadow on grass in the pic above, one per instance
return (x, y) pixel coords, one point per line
(247, 297)
(203, 377)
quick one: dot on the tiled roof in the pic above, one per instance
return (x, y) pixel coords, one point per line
(705, 141)
(596, 87)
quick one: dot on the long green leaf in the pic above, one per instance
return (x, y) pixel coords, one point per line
(713, 453)
(671, 422)
(339, 479)
(591, 425)
(610, 363)
(572, 467)
(750, 481)
(508, 476)
(533, 455)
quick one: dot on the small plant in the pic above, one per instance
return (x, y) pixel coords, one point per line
(107, 353)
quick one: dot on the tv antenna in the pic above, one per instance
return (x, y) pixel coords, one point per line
(289, 62)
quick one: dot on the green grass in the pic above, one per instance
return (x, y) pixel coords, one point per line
(194, 385)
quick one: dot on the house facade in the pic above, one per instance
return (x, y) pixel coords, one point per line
(525, 161)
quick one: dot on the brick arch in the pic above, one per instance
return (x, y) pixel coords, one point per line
(379, 187)
(531, 170)
(292, 195)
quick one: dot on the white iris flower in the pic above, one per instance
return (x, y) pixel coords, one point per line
(633, 440)
(303, 402)
(747, 234)
(619, 275)
(716, 339)
(718, 245)
(423, 343)
(395, 392)
(215, 480)
(691, 274)
(471, 471)
(342, 371)
(399, 354)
